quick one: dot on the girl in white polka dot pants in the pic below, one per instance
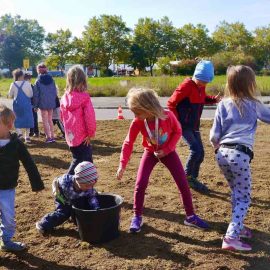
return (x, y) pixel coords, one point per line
(232, 135)
(235, 167)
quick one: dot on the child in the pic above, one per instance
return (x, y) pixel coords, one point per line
(12, 150)
(21, 92)
(35, 130)
(78, 116)
(44, 99)
(232, 135)
(187, 103)
(56, 117)
(161, 131)
(68, 189)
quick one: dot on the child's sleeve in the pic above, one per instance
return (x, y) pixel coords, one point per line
(128, 143)
(181, 92)
(263, 112)
(210, 100)
(89, 117)
(175, 134)
(30, 167)
(216, 130)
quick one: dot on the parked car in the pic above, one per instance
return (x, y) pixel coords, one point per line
(56, 73)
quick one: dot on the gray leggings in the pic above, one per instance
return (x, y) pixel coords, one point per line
(235, 167)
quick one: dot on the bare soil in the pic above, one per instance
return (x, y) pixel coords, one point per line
(164, 242)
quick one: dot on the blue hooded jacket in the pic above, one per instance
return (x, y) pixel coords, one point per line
(45, 92)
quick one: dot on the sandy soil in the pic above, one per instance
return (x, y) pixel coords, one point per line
(164, 242)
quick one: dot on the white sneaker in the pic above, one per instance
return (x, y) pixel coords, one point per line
(235, 244)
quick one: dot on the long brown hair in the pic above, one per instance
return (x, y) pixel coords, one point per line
(241, 85)
(76, 80)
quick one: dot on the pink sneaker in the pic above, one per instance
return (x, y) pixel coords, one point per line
(235, 244)
(246, 233)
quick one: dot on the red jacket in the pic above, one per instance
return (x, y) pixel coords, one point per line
(187, 102)
(169, 134)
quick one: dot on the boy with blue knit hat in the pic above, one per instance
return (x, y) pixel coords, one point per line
(187, 102)
(69, 190)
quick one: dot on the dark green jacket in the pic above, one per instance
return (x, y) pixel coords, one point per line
(10, 155)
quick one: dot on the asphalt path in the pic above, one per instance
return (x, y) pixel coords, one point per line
(106, 107)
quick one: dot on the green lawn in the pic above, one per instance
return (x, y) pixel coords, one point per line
(164, 85)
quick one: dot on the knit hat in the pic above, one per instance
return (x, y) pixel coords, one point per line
(42, 69)
(204, 71)
(86, 173)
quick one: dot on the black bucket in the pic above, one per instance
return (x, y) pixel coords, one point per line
(102, 225)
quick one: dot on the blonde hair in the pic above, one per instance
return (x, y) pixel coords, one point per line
(6, 115)
(241, 85)
(76, 79)
(146, 100)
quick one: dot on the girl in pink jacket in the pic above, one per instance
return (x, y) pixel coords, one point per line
(160, 131)
(78, 116)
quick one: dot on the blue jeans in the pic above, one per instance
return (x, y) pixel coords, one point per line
(80, 153)
(7, 214)
(61, 213)
(196, 156)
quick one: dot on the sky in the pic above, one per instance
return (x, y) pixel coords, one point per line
(75, 14)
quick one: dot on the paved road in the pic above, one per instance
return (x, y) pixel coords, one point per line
(106, 107)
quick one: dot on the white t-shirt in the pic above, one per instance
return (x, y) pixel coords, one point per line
(3, 142)
(27, 89)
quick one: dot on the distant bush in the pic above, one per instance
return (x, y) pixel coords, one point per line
(222, 60)
(186, 67)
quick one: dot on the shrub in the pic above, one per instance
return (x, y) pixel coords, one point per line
(186, 67)
(222, 60)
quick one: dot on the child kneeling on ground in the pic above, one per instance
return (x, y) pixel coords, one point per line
(68, 190)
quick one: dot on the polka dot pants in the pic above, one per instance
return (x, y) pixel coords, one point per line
(235, 167)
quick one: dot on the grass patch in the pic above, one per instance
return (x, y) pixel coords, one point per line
(164, 85)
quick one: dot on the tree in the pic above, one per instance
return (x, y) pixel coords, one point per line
(233, 37)
(261, 46)
(23, 38)
(59, 46)
(105, 39)
(155, 39)
(194, 42)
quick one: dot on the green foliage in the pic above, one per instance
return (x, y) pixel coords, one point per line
(186, 67)
(155, 39)
(194, 42)
(20, 39)
(222, 60)
(164, 65)
(261, 45)
(105, 39)
(232, 37)
(59, 47)
(164, 85)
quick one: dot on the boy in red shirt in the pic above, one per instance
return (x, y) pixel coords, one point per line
(187, 103)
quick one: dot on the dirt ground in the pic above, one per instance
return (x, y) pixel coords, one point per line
(164, 242)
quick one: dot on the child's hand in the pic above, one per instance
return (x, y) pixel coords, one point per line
(120, 173)
(159, 154)
(218, 97)
(87, 140)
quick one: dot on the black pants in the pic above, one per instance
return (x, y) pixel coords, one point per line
(60, 125)
(35, 129)
(80, 153)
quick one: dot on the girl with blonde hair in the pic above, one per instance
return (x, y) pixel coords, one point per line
(78, 117)
(232, 135)
(161, 132)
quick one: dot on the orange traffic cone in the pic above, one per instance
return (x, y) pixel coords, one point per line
(120, 113)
